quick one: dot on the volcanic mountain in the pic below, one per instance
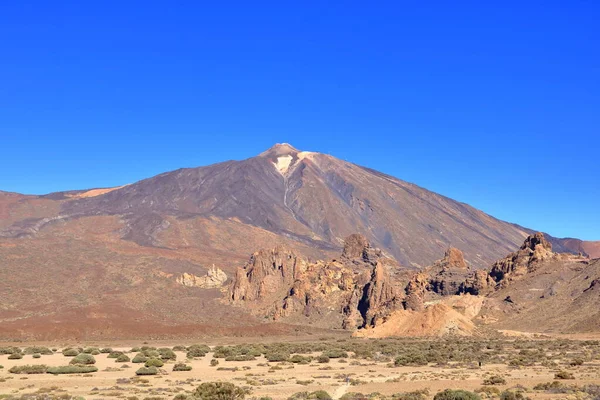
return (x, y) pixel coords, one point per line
(157, 250)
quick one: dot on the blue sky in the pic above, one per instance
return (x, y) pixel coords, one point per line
(496, 105)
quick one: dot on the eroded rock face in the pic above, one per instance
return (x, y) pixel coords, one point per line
(358, 248)
(535, 249)
(214, 278)
(267, 274)
(352, 292)
(380, 297)
(415, 292)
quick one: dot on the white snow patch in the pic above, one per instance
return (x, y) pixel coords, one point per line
(283, 163)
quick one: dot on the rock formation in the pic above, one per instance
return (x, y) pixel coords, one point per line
(214, 278)
(352, 292)
(535, 249)
(267, 274)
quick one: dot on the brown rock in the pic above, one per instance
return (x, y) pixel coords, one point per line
(380, 297)
(268, 273)
(535, 249)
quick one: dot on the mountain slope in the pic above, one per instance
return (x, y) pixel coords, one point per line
(311, 198)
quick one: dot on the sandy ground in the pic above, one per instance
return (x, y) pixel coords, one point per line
(113, 381)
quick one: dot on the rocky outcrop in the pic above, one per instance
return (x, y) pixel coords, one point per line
(415, 292)
(535, 249)
(358, 248)
(478, 283)
(214, 278)
(447, 274)
(352, 292)
(380, 297)
(269, 273)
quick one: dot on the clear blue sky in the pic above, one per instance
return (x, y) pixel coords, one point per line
(494, 105)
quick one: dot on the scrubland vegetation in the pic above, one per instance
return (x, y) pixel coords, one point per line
(348, 369)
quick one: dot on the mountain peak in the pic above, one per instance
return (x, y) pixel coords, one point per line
(280, 149)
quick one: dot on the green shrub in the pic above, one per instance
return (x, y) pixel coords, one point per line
(298, 359)
(241, 357)
(182, 367)
(219, 391)
(323, 359)
(90, 350)
(83, 359)
(154, 362)
(15, 356)
(147, 371)
(494, 380)
(414, 359)
(416, 395)
(123, 358)
(70, 352)
(576, 362)
(167, 354)
(38, 350)
(214, 362)
(36, 355)
(450, 394)
(179, 348)
(511, 395)
(106, 350)
(139, 358)
(72, 369)
(28, 369)
(275, 356)
(564, 375)
(335, 353)
(114, 354)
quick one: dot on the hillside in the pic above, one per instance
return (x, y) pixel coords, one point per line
(131, 260)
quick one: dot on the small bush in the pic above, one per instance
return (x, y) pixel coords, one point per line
(416, 395)
(37, 350)
(564, 375)
(72, 369)
(494, 380)
(219, 391)
(84, 359)
(167, 354)
(123, 358)
(28, 369)
(275, 356)
(298, 359)
(323, 359)
(197, 350)
(510, 395)
(114, 354)
(15, 356)
(154, 362)
(91, 350)
(70, 352)
(139, 358)
(241, 357)
(36, 355)
(106, 350)
(335, 353)
(576, 362)
(182, 367)
(147, 371)
(214, 362)
(415, 359)
(450, 394)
